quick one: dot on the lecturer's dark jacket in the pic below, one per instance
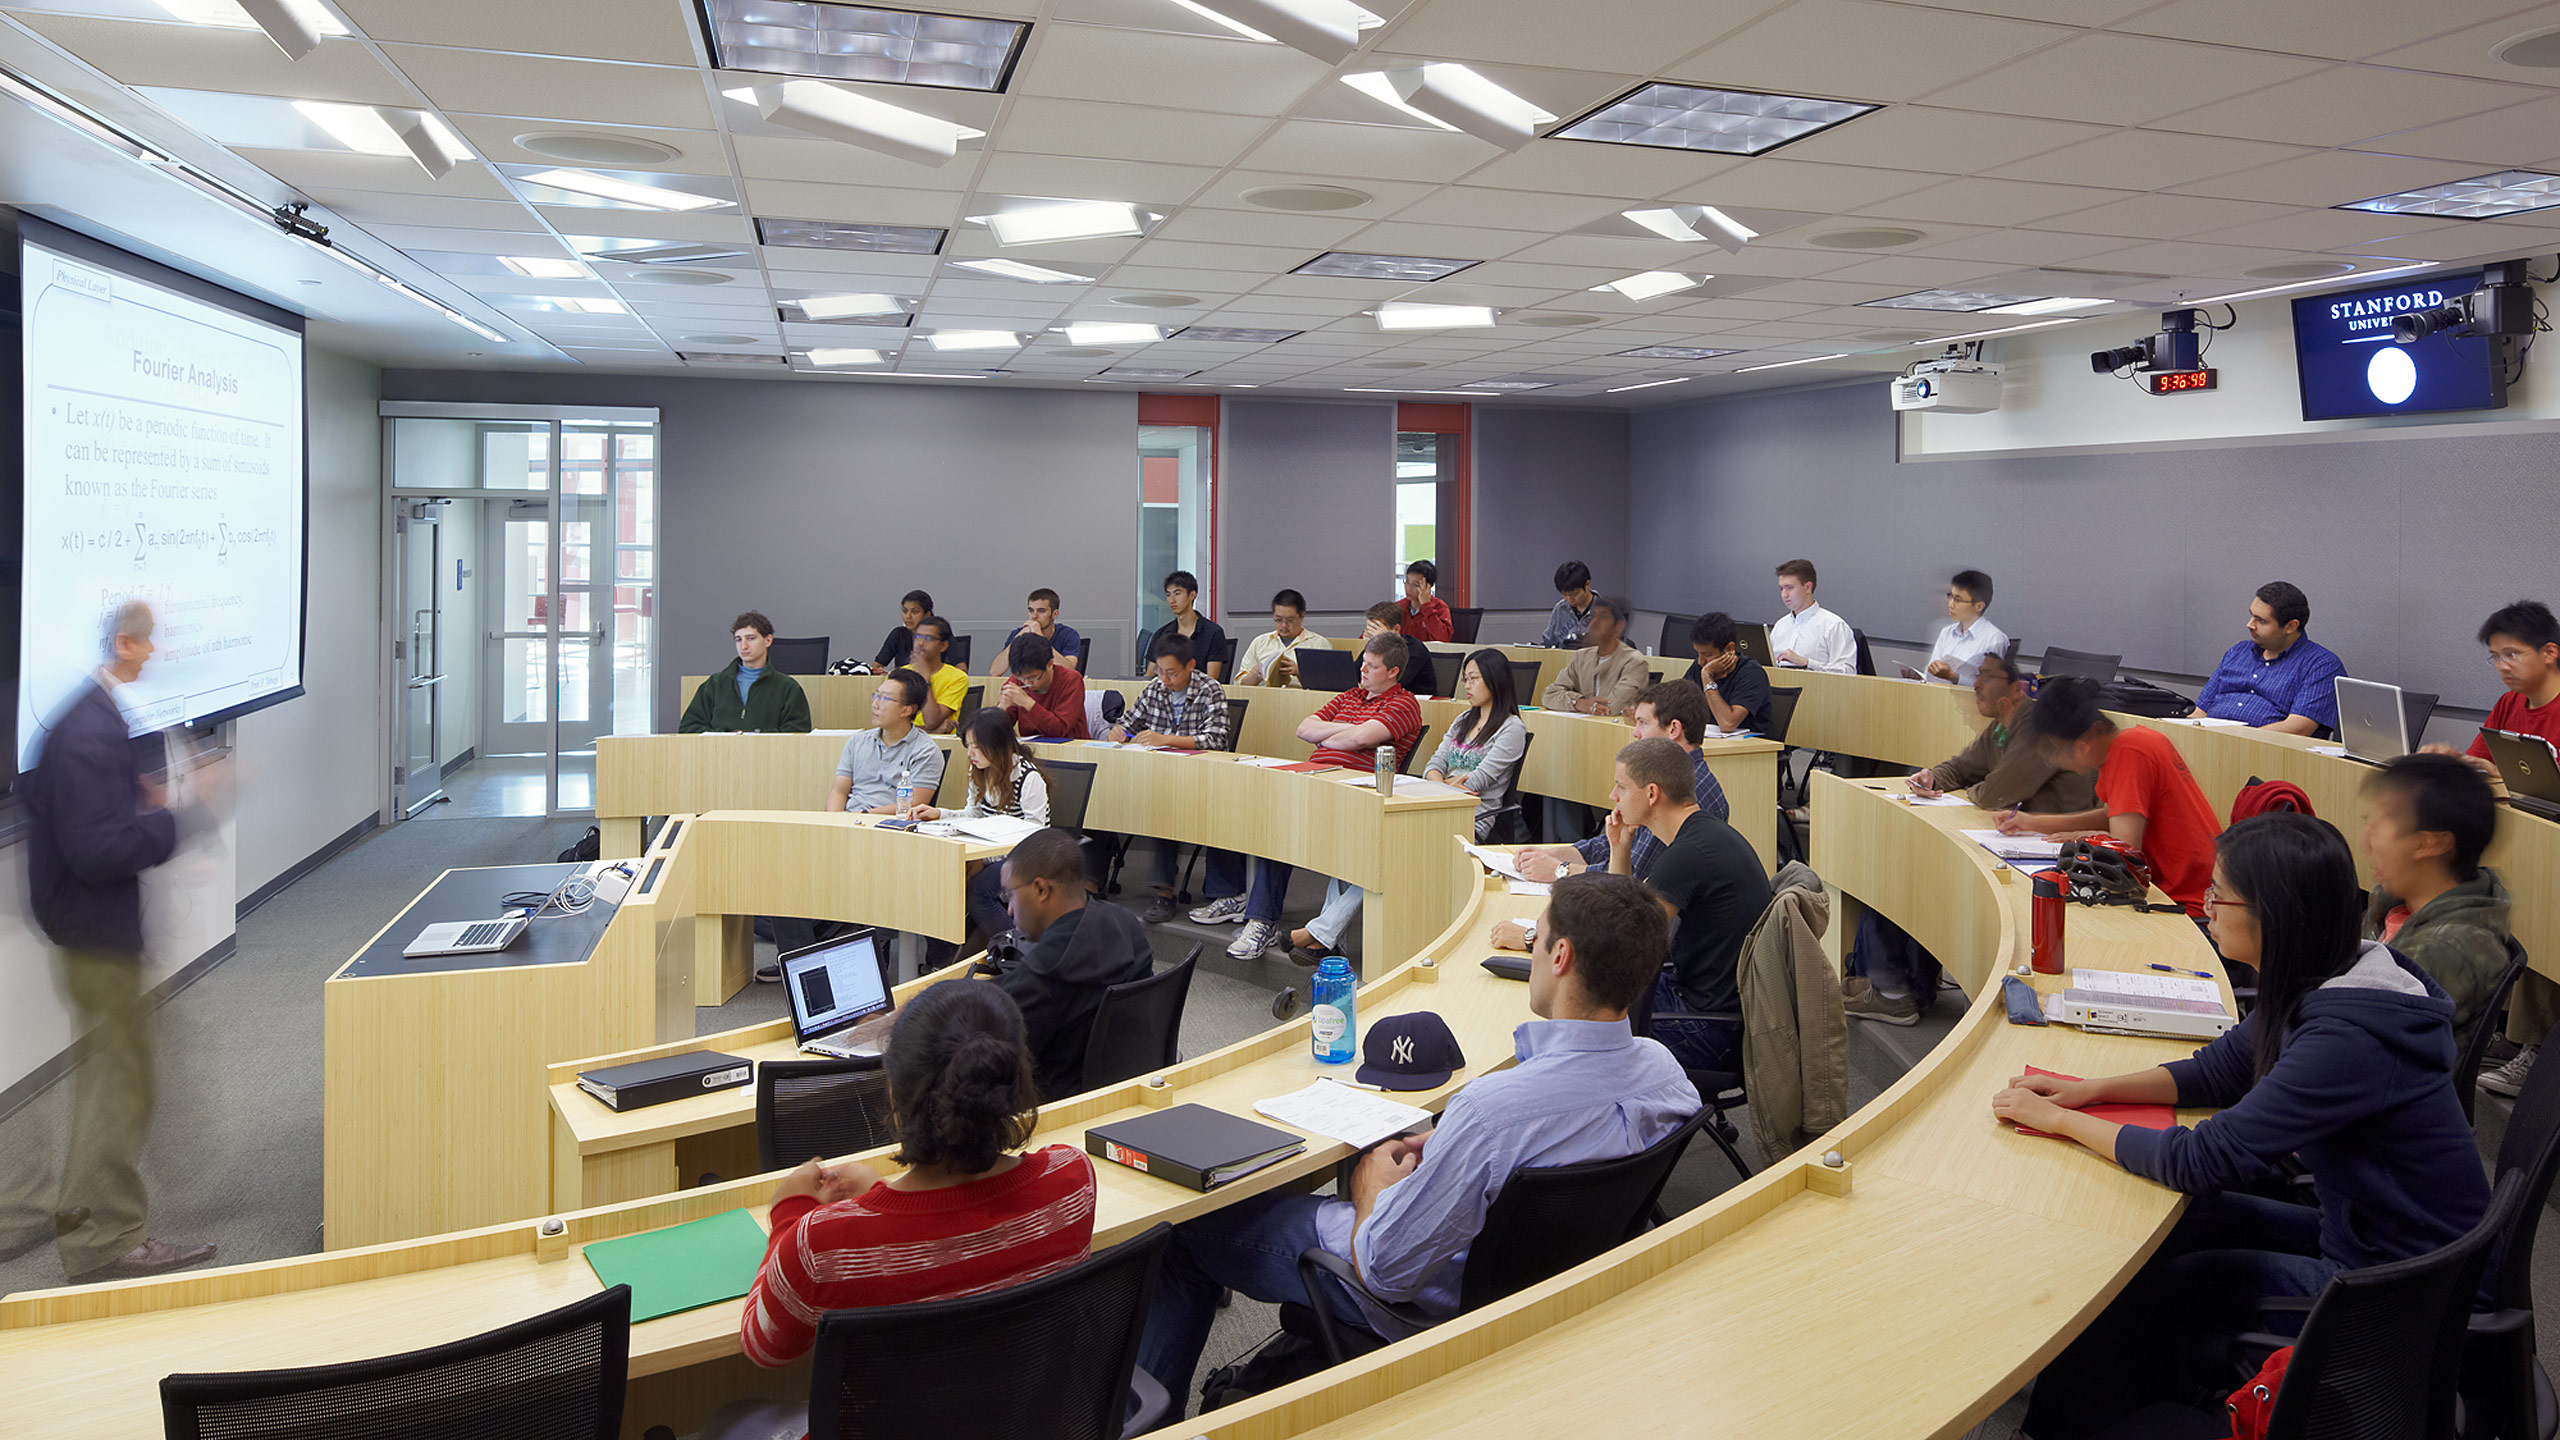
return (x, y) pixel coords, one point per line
(89, 838)
(1059, 983)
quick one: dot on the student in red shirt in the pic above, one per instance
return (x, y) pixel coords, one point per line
(2524, 648)
(1045, 696)
(966, 1216)
(1426, 616)
(2147, 797)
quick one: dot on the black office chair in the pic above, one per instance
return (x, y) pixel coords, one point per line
(2011, 654)
(1721, 1089)
(821, 1107)
(970, 700)
(1138, 1026)
(1782, 718)
(1068, 1344)
(1464, 623)
(557, 1376)
(1235, 721)
(1325, 668)
(1675, 634)
(2417, 707)
(1227, 659)
(2505, 1388)
(957, 652)
(2486, 1026)
(1509, 823)
(1782, 710)
(1546, 1220)
(1084, 654)
(2058, 661)
(1866, 657)
(1070, 792)
(799, 654)
(1524, 682)
(2380, 1353)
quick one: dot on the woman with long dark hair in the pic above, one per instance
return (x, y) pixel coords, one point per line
(1003, 780)
(1482, 750)
(2347, 1063)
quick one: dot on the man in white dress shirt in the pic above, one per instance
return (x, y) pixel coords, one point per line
(1809, 637)
(1968, 637)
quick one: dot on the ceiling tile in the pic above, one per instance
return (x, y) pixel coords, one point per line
(242, 62)
(2183, 257)
(2328, 230)
(1048, 126)
(867, 204)
(381, 207)
(724, 227)
(1581, 167)
(2331, 177)
(762, 157)
(2345, 103)
(1067, 177)
(2309, 27)
(1385, 151)
(314, 170)
(1241, 227)
(601, 29)
(698, 152)
(1452, 242)
(1910, 272)
(2120, 80)
(1639, 37)
(1976, 201)
(2059, 12)
(484, 84)
(1515, 209)
(2473, 51)
(1951, 142)
(2480, 240)
(1796, 185)
(2146, 160)
(2162, 217)
(413, 238)
(2017, 247)
(1195, 255)
(1231, 77)
(1857, 50)
(1386, 196)
(2517, 135)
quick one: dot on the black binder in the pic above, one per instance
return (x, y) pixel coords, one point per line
(1192, 1145)
(669, 1077)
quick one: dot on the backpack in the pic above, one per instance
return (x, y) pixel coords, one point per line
(590, 846)
(2254, 1403)
(2264, 797)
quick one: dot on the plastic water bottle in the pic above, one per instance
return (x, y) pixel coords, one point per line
(906, 793)
(1337, 1028)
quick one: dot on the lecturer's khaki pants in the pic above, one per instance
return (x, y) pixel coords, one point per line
(111, 1099)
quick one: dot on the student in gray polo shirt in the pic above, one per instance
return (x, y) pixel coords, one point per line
(867, 782)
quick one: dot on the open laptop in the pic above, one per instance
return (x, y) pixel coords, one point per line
(1327, 669)
(2531, 769)
(483, 937)
(835, 985)
(2373, 724)
(1753, 640)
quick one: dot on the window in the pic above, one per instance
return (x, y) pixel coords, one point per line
(1177, 454)
(1433, 495)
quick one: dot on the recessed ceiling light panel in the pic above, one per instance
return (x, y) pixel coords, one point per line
(627, 191)
(826, 357)
(1143, 372)
(860, 42)
(1021, 270)
(727, 357)
(1949, 299)
(1652, 284)
(974, 340)
(1234, 335)
(1507, 386)
(2482, 197)
(847, 307)
(1066, 220)
(1352, 265)
(1696, 117)
(1670, 352)
(1457, 98)
(837, 235)
(1409, 316)
(1112, 332)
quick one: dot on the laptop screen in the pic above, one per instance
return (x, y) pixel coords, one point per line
(835, 984)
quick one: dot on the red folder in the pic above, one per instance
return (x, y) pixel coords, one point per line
(2140, 1116)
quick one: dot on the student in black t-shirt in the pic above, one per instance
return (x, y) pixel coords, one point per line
(1710, 881)
(1420, 674)
(899, 648)
(1737, 686)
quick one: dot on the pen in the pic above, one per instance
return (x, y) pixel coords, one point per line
(1356, 1084)
(2180, 970)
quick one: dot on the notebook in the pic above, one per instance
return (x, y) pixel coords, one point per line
(1192, 1145)
(2141, 1117)
(683, 1267)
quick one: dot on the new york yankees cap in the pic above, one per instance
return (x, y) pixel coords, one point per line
(1410, 1052)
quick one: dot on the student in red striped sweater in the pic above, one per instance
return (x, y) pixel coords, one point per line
(967, 1215)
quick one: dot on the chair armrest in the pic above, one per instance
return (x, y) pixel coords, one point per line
(2501, 1322)
(1700, 1017)
(2287, 1304)
(1314, 1264)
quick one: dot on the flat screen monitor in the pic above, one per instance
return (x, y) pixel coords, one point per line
(2350, 367)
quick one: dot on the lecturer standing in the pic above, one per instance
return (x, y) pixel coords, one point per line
(97, 819)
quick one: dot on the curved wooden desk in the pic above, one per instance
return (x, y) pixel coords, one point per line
(87, 1361)
(1730, 1320)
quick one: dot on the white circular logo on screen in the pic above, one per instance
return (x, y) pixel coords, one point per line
(2391, 375)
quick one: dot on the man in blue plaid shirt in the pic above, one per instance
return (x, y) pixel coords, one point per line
(1181, 709)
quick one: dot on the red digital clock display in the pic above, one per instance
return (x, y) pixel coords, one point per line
(2172, 382)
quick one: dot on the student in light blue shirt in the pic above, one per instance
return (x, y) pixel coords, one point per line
(1586, 1088)
(1571, 619)
(2277, 679)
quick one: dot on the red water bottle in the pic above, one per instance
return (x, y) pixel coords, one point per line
(2050, 894)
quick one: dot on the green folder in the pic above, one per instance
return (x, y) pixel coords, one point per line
(682, 1267)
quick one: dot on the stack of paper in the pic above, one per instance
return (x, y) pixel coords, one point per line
(2016, 847)
(1505, 863)
(996, 829)
(1339, 1112)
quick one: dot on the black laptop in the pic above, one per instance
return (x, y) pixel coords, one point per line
(1327, 669)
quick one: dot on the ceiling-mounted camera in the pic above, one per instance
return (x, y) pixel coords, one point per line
(2176, 347)
(2502, 304)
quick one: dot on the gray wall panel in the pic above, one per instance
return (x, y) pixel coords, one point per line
(1309, 504)
(2403, 544)
(1550, 486)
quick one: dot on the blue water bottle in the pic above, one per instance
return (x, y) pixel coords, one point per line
(1337, 1030)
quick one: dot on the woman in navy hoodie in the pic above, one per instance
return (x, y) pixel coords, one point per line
(2346, 1062)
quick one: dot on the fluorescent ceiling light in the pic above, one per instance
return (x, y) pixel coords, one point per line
(540, 267)
(974, 340)
(1807, 360)
(1701, 223)
(623, 192)
(2005, 330)
(1019, 270)
(840, 355)
(1353, 265)
(1697, 117)
(2362, 278)
(1652, 284)
(1670, 352)
(727, 357)
(839, 235)
(576, 304)
(940, 374)
(1068, 220)
(1142, 372)
(1112, 332)
(1235, 335)
(815, 107)
(845, 307)
(2508, 192)
(1508, 385)
(1407, 316)
(1647, 385)
(383, 130)
(2054, 306)
(650, 252)
(1456, 98)
(1327, 29)
(1950, 299)
(1400, 390)
(827, 41)
(295, 25)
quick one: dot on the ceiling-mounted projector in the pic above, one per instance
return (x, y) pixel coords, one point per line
(1959, 387)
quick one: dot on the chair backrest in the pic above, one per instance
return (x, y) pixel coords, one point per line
(970, 700)
(1550, 1218)
(1866, 657)
(1464, 623)
(2417, 707)
(2531, 1148)
(2058, 661)
(2011, 654)
(1227, 658)
(1782, 710)
(1070, 790)
(557, 1376)
(1084, 654)
(2381, 1352)
(1325, 668)
(799, 654)
(1049, 1357)
(2486, 1025)
(1138, 1026)
(1524, 682)
(957, 652)
(1675, 634)
(820, 1107)
(1235, 721)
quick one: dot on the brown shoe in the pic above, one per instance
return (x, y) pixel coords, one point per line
(151, 1257)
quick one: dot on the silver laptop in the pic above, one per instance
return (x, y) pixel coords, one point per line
(2373, 724)
(465, 937)
(834, 986)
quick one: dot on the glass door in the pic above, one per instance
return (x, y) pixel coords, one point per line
(419, 653)
(1173, 516)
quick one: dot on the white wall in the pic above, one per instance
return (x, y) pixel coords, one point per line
(2051, 401)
